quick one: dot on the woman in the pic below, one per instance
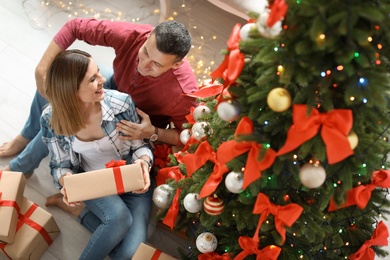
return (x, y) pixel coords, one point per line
(79, 128)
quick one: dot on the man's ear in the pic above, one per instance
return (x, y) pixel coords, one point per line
(177, 64)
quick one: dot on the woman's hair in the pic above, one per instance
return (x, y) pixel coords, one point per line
(63, 80)
(172, 38)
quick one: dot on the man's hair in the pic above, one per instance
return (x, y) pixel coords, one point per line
(172, 38)
(63, 80)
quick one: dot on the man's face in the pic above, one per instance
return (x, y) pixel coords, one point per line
(152, 62)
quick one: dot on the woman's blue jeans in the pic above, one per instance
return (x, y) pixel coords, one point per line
(118, 225)
(30, 158)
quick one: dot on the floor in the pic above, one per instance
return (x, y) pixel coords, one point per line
(27, 27)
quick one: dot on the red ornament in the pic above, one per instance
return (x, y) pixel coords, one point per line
(213, 205)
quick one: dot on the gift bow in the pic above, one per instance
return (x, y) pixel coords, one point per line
(361, 195)
(194, 161)
(214, 256)
(231, 149)
(335, 124)
(250, 247)
(232, 65)
(283, 215)
(170, 217)
(120, 188)
(278, 10)
(378, 238)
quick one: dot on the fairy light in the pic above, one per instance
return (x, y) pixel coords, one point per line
(340, 67)
(369, 39)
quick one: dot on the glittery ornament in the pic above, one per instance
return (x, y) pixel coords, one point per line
(198, 130)
(162, 196)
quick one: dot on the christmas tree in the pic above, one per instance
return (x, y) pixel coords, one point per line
(286, 157)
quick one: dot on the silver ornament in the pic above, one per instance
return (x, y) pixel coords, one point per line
(191, 203)
(162, 196)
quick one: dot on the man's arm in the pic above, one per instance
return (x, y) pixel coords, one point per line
(40, 71)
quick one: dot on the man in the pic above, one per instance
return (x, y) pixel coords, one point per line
(150, 66)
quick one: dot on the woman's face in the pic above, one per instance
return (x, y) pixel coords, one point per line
(91, 88)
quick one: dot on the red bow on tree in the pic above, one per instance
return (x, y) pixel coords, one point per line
(231, 149)
(361, 195)
(171, 173)
(250, 247)
(278, 10)
(335, 125)
(283, 215)
(214, 256)
(194, 161)
(232, 65)
(378, 238)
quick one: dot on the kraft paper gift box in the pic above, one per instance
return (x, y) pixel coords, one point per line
(11, 195)
(146, 252)
(35, 232)
(105, 182)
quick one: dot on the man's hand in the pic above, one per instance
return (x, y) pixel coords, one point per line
(134, 131)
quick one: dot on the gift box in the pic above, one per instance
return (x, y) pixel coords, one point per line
(11, 195)
(146, 252)
(105, 182)
(35, 232)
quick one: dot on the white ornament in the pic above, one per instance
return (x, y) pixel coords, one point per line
(198, 130)
(191, 203)
(162, 196)
(200, 111)
(228, 110)
(206, 242)
(312, 175)
(185, 136)
(262, 27)
(234, 182)
(244, 31)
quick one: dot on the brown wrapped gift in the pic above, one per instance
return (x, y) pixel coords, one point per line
(11, 195)
(105, 182)
(36, 230)
(146, 252)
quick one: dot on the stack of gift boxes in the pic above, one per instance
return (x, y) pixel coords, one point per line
(26, 230)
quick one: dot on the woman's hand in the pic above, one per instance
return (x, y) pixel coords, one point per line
(145, 173)
(63, 192)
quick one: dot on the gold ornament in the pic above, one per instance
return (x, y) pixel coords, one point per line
(279, 99)
(353, 140)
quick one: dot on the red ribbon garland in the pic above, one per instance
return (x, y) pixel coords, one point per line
(194, 161)
(361, 195)
(25, 219)
(250, 247)
(283, 215)
(335, 124)
(233, 63)
(231, 149)
(278, 11)
(214, 256)
(120, 188)
(162, 176)
(378, 238)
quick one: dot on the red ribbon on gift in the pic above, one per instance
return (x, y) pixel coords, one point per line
(162, 176)
(8, 203)
(335, 127)
(156, 255)
(283, 215)
(233, 63)
(278, 11)
(361, 195)
(250, 247)
(25, 219)
(378, 238)
(194, 161)
(214, 256)
(120, 188)
(231, 149)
